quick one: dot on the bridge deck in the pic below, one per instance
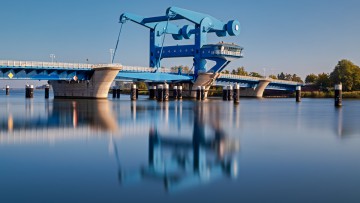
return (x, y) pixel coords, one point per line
(67, 71)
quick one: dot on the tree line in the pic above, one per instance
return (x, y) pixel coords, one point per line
(345, 72)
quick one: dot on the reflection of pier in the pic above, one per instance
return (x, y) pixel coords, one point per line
(81, 119)
(62, 119)
(64, 113)
(180, 163)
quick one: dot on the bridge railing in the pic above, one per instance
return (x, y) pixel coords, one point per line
(285, 82)
(137, 69)
(149, 69)
(242, 77)
(225, 52)
(108, 65)
(44, 64)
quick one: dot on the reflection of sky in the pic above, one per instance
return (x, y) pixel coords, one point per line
(289, 152)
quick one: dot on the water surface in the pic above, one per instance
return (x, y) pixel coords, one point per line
(116, 150)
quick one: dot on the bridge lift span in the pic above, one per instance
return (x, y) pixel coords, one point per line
(200, 25)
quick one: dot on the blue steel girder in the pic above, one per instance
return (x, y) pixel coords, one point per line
(203, 24)
(206, 22)
(234, 80)
(153, 77)
(41, 73)
(281, 86)
(254, 83)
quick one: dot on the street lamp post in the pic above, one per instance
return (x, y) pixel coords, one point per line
(264, 72)
(111, 55)
(52, 56)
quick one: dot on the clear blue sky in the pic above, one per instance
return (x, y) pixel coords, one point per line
(307, 36)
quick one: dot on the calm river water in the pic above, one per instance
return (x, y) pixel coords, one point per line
(262, 150)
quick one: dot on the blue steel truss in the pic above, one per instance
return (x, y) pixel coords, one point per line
(201, 25)
(252, 82)
(50, 71)
(153, 77)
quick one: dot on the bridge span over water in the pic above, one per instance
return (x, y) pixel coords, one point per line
(79, 73)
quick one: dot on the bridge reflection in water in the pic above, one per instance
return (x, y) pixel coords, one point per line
(199, 150)
(61, 119)
(180, 162)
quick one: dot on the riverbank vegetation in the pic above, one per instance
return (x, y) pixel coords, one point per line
(330, 94)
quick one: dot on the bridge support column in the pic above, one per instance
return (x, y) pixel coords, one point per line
(229, 93)
(95, 88)
(29, 91)
(133, 93)
(160, 93)
(118, 92)
(175, 92)
(7, 89)
(338, 95)
(114, 92)
(224, 93)
(166, 92)
(179, 92)
(298, 93)
(202, 93)
(47, 91)
(257, 91)
(203, 79)
(152, 92)
(198, 93)
(236, 93)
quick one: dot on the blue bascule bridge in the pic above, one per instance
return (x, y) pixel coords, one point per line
(94, 80)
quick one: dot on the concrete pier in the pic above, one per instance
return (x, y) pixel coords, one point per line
(204, 79)
(97, 87)
(256, 91)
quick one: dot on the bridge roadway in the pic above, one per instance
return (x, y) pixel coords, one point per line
(32, 70)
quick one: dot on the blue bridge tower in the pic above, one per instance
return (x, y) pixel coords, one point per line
(199, 26)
